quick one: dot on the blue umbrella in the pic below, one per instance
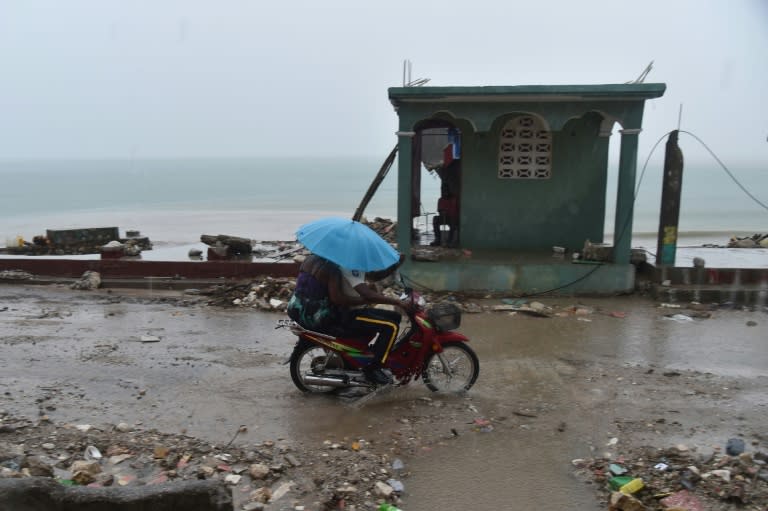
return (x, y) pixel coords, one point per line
(347, 243)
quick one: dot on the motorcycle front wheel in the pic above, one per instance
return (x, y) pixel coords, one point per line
(311, 359)
(455, 369)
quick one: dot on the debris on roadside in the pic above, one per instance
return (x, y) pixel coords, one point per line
(264, 473)
(755, 241)
(15, 275)
(266, 293)
(78, 241)
(89, 281)
(679, 478)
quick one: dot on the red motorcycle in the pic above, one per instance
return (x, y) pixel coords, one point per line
(428, 348)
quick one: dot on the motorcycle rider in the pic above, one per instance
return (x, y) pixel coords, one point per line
(335, 300)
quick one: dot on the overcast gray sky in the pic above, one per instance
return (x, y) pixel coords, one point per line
(205, 78)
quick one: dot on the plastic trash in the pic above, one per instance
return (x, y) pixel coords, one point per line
(633, 486)
(619, 481)
(617, 470)
(389, 507)
(397, 464)
(680, 318)
(396, 485)
(92, 453)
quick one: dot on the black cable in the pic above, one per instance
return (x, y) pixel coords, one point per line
(623, 228)
(758, 201)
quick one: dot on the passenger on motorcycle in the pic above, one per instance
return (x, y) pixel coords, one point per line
(335, 300)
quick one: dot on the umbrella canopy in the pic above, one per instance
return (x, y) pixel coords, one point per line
(348, 243)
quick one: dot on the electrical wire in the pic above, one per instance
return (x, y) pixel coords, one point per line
(623, 228)
(758, 201)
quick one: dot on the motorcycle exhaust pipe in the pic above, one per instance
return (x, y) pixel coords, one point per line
(330, 381)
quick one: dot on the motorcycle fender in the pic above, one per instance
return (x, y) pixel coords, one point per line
(451, 337)
(443, 337)
(299, 343)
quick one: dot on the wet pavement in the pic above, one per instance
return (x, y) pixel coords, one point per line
(550, 389)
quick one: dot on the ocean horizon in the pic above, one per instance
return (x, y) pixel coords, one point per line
(175, 201)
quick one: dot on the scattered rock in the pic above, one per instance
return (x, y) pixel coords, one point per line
(15, 275)
(89, 281)
(258, 471)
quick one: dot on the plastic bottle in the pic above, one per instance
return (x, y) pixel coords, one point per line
(631, 487)
(388, 507)
(619, 481)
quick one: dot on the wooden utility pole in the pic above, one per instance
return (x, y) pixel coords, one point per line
(671, 191)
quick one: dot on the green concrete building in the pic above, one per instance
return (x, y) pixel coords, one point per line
(524, 169)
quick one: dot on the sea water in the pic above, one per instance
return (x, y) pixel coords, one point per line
(175, 201)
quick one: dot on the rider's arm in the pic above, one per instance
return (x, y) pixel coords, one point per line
(371, 296)
(337, 294)
(356, 279)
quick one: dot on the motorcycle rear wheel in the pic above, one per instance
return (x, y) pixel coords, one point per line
(311, 358)
(459, 372)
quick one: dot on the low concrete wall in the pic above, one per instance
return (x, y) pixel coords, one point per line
(524, 278)
(119, 268)
(44, 494)
(711, 276)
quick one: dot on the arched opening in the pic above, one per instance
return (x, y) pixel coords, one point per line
(436, 184)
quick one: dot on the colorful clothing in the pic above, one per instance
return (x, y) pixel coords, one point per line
(310, 306)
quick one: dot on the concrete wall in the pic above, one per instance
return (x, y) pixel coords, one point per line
(126, 268)
(531, 214)
(524, 278)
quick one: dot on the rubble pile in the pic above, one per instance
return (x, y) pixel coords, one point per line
(124, 455)
(384, 227)
(678, 478)
(266, 293)
(273, 294)
(79, 241)
(754, 241)
(15, 275)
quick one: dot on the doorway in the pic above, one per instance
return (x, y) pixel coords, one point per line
(436, 185)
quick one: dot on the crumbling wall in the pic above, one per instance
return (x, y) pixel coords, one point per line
(44, 494)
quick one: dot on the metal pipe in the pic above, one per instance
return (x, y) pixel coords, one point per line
(331, 381)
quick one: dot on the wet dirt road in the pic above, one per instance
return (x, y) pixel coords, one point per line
(552, 389)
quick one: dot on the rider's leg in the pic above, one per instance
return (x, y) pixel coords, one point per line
(437, 220)
(386, 324)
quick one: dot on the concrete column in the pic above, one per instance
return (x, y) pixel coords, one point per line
(625, 196)
(404, 165)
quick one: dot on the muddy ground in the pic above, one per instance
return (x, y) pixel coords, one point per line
(168, 387)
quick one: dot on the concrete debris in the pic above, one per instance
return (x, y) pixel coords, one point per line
(89, 281)
(267, 293)
(754, 241)
(92, 240)
(384, 227)
(15, 275)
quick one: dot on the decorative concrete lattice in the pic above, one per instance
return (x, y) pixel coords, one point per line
(525, 149)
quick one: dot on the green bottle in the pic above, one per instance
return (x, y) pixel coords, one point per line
(388, 507)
